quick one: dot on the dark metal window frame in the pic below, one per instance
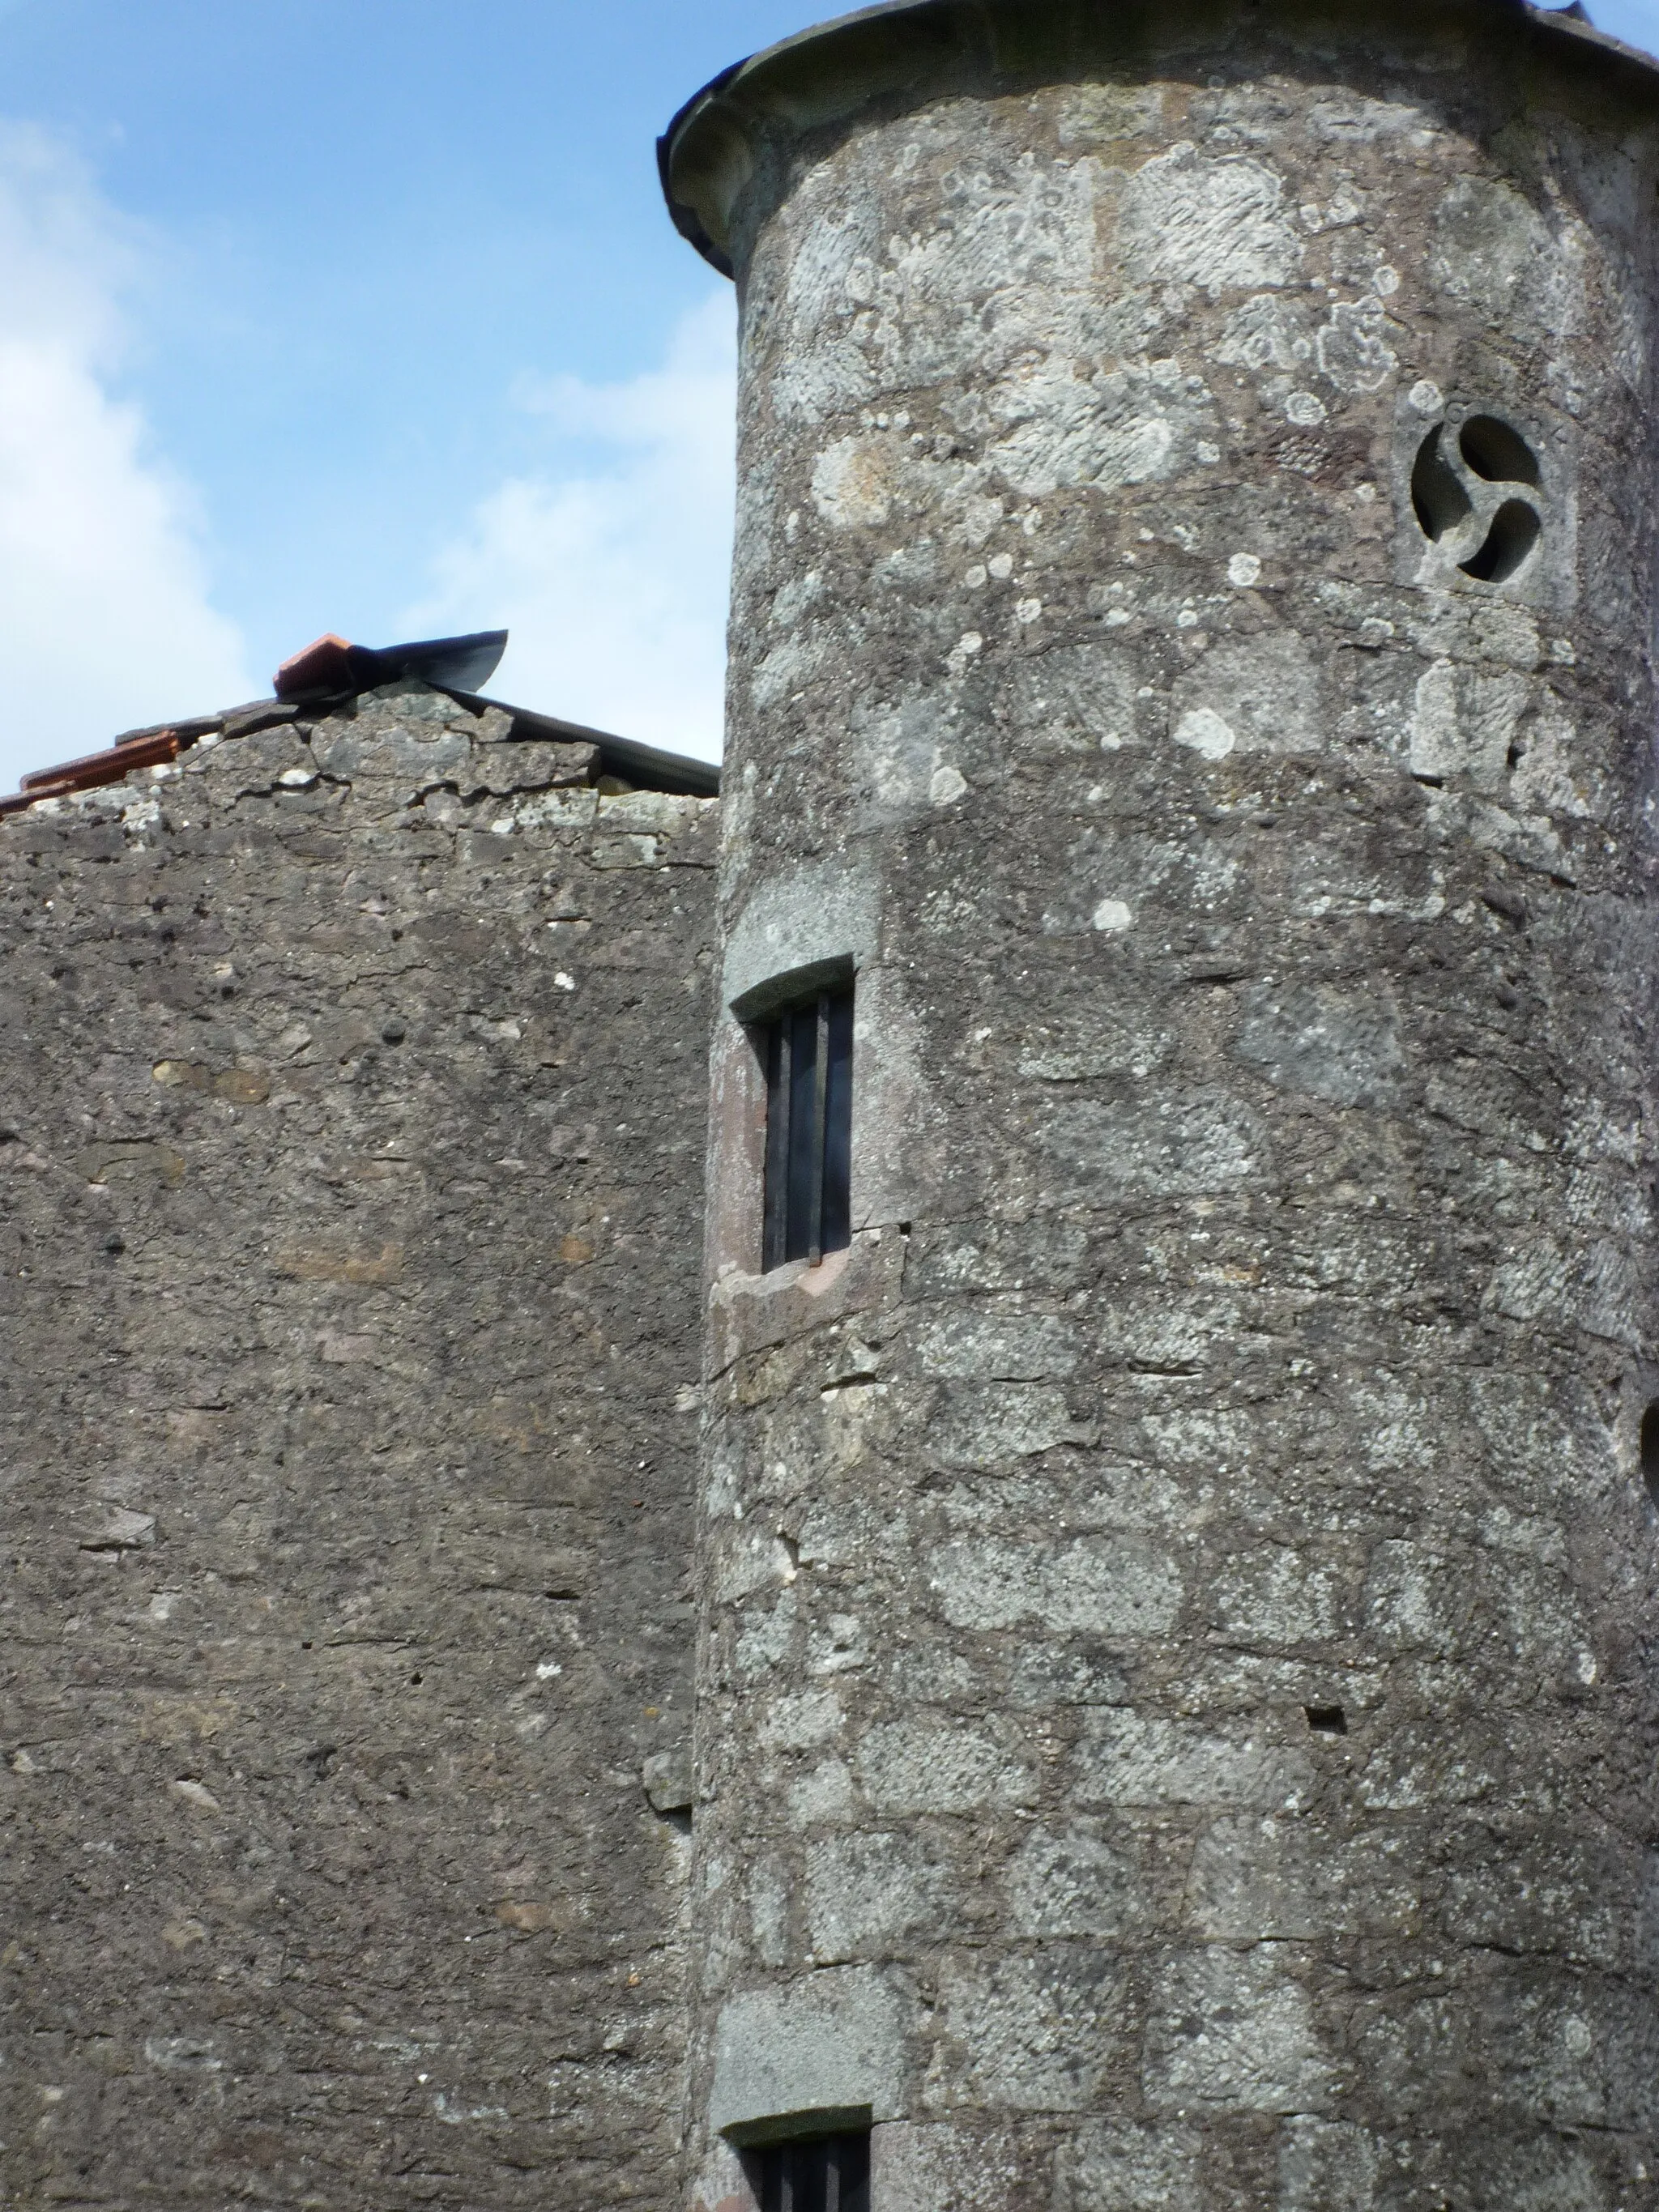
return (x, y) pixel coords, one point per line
(805, 1048)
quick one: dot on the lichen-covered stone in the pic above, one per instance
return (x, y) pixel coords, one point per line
(1190, 653)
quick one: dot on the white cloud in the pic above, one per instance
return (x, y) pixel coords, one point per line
(611, 569)
(105, 619)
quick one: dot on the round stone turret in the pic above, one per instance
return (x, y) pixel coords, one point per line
(1177, 1724)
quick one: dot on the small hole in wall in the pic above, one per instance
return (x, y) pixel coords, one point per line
(1650, 1451)
(1515, 531)
(1326, 1720)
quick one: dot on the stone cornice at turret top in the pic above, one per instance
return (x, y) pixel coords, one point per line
(906, 49)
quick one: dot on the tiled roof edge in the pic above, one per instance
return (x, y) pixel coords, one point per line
(646, 767)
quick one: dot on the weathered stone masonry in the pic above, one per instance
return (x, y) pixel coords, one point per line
(1175, 1718)
(1174, 1601)
(351, 1093)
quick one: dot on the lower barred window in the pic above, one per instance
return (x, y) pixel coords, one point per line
(827, 2173)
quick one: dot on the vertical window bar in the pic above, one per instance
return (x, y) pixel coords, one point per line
(837, 1224)
(778, 1090)
(855, 2173)
(854, 2182)
(802, 1084)
(820, 1131)
(832, 2179)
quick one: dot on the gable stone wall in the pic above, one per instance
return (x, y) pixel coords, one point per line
(352, 1083)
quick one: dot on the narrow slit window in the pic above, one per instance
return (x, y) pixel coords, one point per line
(827, 2174)
(808, 1051)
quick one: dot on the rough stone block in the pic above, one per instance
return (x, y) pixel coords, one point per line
(938, 2166)
(1085, 1879)
(1109, 1586)
(940, 1767)
(1119, 2167)
(837, 2041)
(1028, 2033)
(1235, 2029)
(863, 1890)
(1135, 1759)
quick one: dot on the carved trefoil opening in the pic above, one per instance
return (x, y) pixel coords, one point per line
(1476, 491)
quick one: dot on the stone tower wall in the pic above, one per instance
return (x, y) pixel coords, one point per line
(1175, 1717)
(351, 1120)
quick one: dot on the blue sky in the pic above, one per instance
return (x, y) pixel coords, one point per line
(365, 318)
